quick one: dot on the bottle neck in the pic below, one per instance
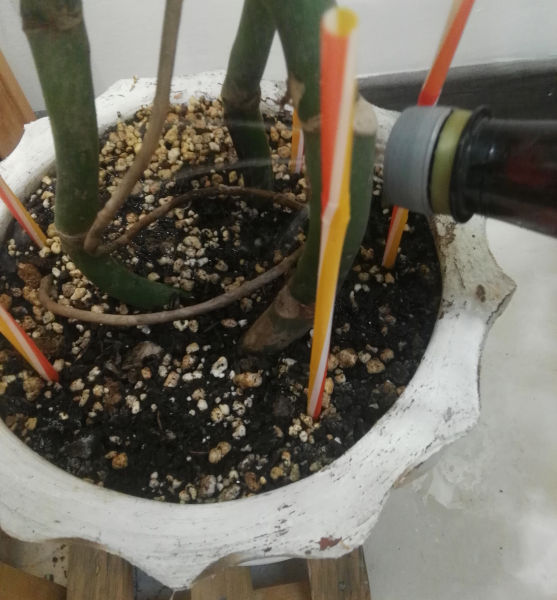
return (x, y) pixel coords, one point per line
(506, 169)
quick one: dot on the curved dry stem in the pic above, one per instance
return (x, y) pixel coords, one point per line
(166, 316)
(158, 116)
(220, 190)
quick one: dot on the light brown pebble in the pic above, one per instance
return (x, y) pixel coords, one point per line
(77, 385)
(219, 367)
(207, 486)
(188, 361)
(332, 362)
(277, 473)
(375, 366)
(389, 278)
(315, 466)
(184, 496)
(248, 380)
(347, 357)
(5, 301)
(294, 473)
(230, 493)
(284, 151)
(78, 294)
(367, 253)
(217, 453)
(171, 380)
(29, 274)
(120, 461)
(229, 323)
(198, 394)
(364, 357)
(251, 481)
(329, 386)
(31, 423)
(387, 355)
(217, 415)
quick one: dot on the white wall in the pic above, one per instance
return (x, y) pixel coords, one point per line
(396, 35)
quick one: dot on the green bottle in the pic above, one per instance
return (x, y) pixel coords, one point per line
(442, 160)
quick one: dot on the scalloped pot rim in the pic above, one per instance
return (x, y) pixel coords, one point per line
(324, 515)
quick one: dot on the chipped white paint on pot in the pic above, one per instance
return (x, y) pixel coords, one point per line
(324, 515)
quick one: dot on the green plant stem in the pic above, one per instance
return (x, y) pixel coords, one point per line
(186, 312)
(241, 92)
(303, 283)
(298, 23)
(58, 39)
(116, 280)
(291, 315)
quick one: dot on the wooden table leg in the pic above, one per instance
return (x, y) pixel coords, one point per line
(14, 109)
(229, 584)
(17, 585)
(96, 575)
(342, 578)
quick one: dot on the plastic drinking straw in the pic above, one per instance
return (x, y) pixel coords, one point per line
(8, 326)
(429, 94)
(337, 105)
(21, 215)
(25, 346)
(297, 149)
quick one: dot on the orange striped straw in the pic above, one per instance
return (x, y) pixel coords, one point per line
(297, 150)
(25, 346)
(8, 326)
(429, 94)
(338, 75)
(21, 215)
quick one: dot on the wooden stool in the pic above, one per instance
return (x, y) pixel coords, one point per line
(14, 109)
(95, 575)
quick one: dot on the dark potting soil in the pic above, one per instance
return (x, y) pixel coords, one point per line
(177, 412)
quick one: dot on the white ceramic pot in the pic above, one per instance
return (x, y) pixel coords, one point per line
(325, 515)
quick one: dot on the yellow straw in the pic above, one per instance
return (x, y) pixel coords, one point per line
(337, 107)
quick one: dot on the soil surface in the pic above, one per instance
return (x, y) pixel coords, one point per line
(177, 412)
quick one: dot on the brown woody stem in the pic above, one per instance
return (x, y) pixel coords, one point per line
(158, 116)
(169, 315)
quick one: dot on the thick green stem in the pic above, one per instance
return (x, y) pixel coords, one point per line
(304, 281)
(114, 278)
(298, 24)
(58, 39)
(291, 315)
(241, 93)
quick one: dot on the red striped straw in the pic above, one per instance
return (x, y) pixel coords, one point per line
(25, 346)
(8, 326)
(338, 76)
(429, 94)
(21, 215)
